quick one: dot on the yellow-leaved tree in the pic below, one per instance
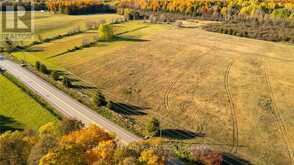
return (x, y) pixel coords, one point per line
(105, 32)
(151, 158)
(102, 153)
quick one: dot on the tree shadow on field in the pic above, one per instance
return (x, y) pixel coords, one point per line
(131, 39)
(76, 84)
(34, 49)
(9, 124)
(127, 109)
(229, 159)
(90, 32)
(133, 30)
(79, 86)
(74, 80)
(180, 134)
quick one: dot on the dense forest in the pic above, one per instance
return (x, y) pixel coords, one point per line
(217, 8)
(214, 8)
(27, 4)
(70, 142)
(73, 7)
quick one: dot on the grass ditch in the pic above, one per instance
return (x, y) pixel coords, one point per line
(36, 97)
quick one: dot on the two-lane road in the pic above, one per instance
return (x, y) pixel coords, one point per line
(64, 103)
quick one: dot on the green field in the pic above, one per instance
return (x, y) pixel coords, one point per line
(238, 92)
(18, 110)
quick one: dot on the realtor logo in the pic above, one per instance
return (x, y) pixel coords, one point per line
(16, 21)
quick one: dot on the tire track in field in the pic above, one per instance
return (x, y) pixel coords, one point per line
(169, 121)
(172, 84)
(276, 114)
(168, 92)
(235, 135)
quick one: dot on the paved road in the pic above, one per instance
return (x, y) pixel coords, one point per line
(64, 103)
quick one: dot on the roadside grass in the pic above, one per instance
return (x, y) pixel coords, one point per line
(181, 76)
(18, 110)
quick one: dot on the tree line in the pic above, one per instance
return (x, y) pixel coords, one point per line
(74, 7)
(70, 142)
(27, 4)
(216, 8)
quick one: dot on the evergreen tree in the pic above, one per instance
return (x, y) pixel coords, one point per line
(55, 75)
(38, 65)
(67, 82)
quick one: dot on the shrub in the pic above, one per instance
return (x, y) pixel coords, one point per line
(37, 65)
(47, 39)
(99, 100)
(76, 48)
(105, 32)
(36, 42)
(67, 82)
(226, 31)
(230, 31)
(245, 34)
(55, 75)
(43, 69)
(153, 126)
(110, 105)
(206, 155)
(70, 125)
(281, 13)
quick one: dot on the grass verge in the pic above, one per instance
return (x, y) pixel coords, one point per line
(36, 97)
(20, 108)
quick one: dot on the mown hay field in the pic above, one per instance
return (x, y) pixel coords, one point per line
(18, 110)
(48, 24)
(235, 94)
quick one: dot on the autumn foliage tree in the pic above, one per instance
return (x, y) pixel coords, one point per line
(105, 32)
(216, 8)
(69, 142)
(14, 148)
(149, 157)
(73, 7)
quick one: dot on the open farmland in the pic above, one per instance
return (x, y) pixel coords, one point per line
(49, 25)
(235, 92)
(18, 110)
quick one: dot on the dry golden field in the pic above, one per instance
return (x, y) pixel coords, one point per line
(236, 93)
